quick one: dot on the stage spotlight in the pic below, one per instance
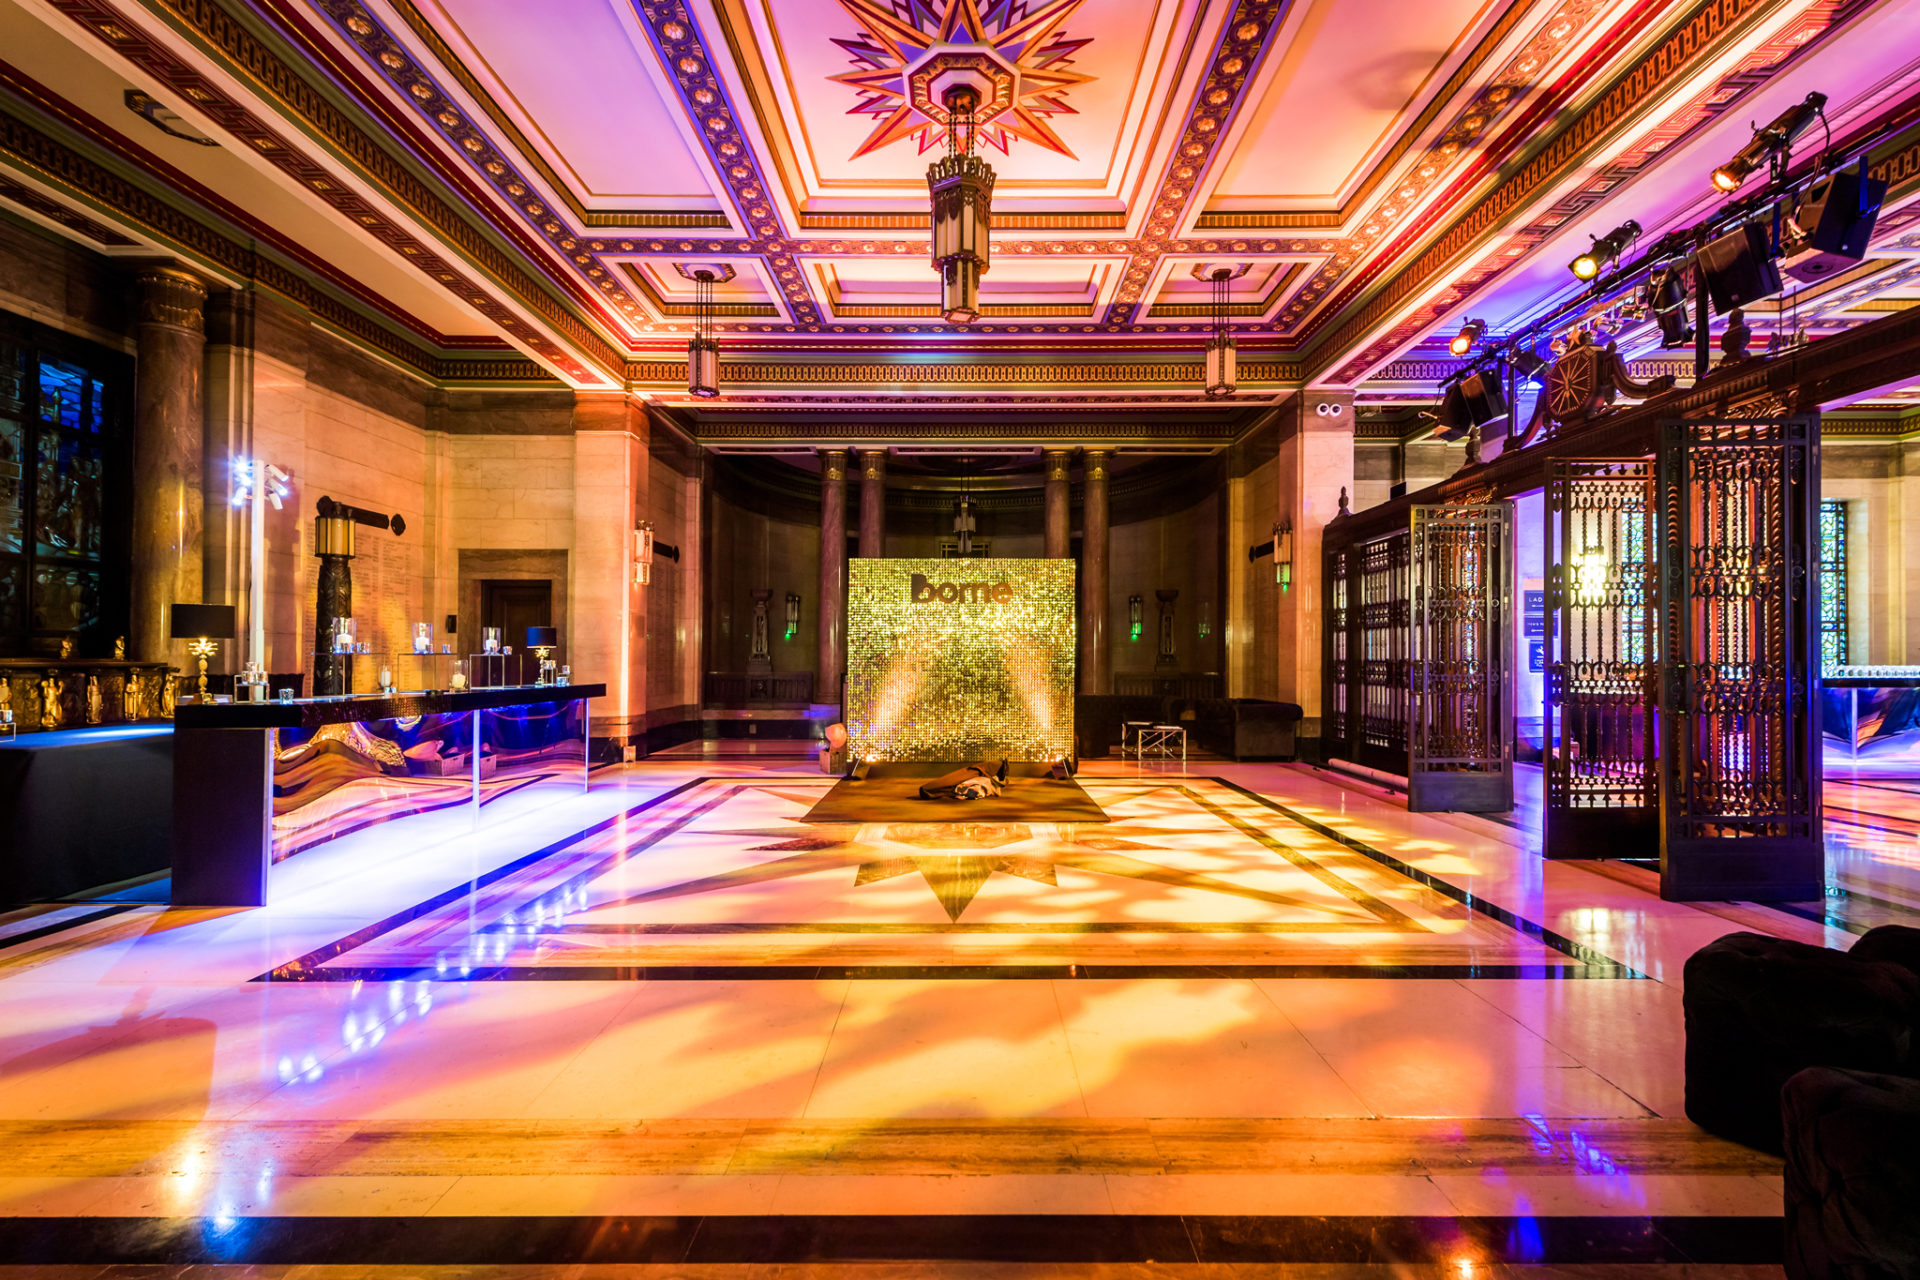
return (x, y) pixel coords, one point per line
(1666, 297)
(1830, 230)
(1527, 364)
(1469, 334)
(1771, 142)
(1606, 249)
(1739, 268)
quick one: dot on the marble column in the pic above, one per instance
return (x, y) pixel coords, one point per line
(606, 624)
(1058, 464)
(1096, 656)
(169, 487)
(873, 503)
(833, 577)
(1315, 462)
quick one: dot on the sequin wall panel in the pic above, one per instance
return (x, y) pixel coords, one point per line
(960, 659)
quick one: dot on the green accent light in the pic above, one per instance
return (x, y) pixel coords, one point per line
(1136, 631)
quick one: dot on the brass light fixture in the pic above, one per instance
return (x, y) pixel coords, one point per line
(1470, 333)
(961, 187)
(1283, 555)
(1222, 355)
(643, 554)
(703, 352)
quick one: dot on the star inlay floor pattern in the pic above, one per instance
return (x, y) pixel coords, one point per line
(724, 878)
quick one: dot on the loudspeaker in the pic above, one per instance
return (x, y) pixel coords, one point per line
(1830, 230)
(1481, 391)
(1739, 268)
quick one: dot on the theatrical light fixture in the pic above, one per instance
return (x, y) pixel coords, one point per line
(1606, 249)
(703, 352)
(1222, 355)
(1666, 297)
(1469, 334)
(960, 185)
(1769, 145)
(1526, 364)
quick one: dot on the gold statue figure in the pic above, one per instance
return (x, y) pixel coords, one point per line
(52, 690)
(93, 699)
(119, 648)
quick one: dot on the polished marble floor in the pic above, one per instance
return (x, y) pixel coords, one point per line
(1263, 1018)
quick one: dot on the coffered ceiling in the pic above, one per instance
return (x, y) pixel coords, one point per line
(507, 193)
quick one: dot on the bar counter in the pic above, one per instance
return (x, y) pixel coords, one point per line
(1870, 706)
(256, 783)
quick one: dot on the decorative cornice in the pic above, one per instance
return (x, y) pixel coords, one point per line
(63, 214)
(194, 237)
(248, 59)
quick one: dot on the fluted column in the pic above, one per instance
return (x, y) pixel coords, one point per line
(1096, 657)
(873, 503)
(168, 484)
(1059, 469)
(833, 575)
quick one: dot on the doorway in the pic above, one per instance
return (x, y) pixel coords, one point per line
(514, 604)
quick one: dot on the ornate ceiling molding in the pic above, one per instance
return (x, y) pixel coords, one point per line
(250, 61)
(1371, 332)
(195, 237)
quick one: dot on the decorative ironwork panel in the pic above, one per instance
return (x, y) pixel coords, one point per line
(1383, 643)
(1339, 724)
(1601, 775)
(1460, 735)
(1833, 585)
(1740, 759)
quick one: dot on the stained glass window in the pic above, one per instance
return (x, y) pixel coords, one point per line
(1833, 585)
(64, 464)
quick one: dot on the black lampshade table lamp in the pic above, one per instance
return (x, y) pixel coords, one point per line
(204, 626)
(542, 641)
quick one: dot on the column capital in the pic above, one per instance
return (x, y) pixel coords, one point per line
(873, 464)
(1057, 463)
(833, 465)
(171, 296)
(1096, 461)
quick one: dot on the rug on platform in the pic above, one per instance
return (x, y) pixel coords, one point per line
(891, 793)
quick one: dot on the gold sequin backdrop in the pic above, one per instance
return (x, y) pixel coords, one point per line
(960, 659)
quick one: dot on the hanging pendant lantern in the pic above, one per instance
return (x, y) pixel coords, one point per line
(961, 187)
(1222, 355)
(703, 353)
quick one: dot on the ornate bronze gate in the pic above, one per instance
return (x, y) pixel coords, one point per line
(1602, 784)
(1367, 650)
(1460, 729)
(1739, 608)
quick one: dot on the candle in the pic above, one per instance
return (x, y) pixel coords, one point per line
(386, 678)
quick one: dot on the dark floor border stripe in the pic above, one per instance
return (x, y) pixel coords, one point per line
(72, 922)
(1120, 1238)
(301, 968)
(1519, 923)
(948, 972)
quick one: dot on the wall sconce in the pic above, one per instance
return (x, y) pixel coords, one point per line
(793, 615)
(1133, 617)
(643, 554)
(1283, 555)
